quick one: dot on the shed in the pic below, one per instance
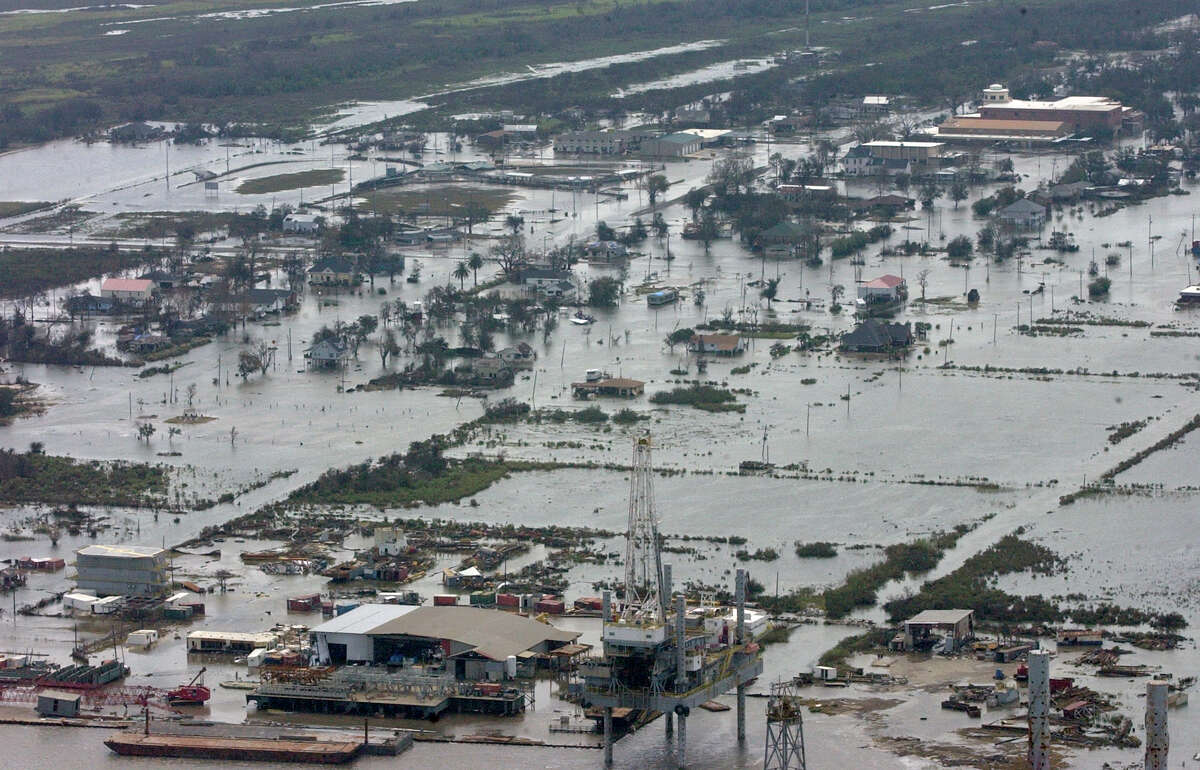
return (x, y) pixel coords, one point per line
(56, 703)
(957, 626)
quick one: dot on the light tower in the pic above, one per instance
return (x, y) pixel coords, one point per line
(645, 596)
(785, 730)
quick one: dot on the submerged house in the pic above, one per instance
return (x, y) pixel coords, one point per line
(872, 336)
(327, 354)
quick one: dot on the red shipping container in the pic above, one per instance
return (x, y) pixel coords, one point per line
(488, 688)
(550, 606)
(508, 600)
(445, 600)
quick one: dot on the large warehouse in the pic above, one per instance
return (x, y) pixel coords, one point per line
(121, 570)
(474, 643)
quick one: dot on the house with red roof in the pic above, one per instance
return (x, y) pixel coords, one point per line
(135, 291)
(885, 288)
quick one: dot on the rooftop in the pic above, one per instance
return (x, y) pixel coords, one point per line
(126, 284)
(882, 143)
(121, 551)
(364, 618)
(939, 617)
(490, 633)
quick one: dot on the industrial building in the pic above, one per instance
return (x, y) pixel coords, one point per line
(954, 627)
(121, 570)
(671, 145)
(473, 643)
(1001, 117)
(596, 142)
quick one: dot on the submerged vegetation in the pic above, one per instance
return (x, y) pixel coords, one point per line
(33, 477)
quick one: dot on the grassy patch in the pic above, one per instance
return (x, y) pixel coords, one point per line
(17, 208)
(874, 639)
(818, 550)
(705, 397)
(861, 585)
(435, 200)
(317, 177)
(38, 478)
(28, 271)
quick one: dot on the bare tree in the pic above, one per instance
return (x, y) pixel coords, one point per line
(923, 282)
(509, 254)
(388, 347)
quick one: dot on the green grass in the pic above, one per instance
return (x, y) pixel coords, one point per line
(64, 480)
(27, 271)
(435, 200)
(705, 397)
(317, 177)
(17, 208)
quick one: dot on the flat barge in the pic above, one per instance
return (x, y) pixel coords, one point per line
(234, 748)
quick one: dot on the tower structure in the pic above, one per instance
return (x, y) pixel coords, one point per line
(785, 730)
(659, 656)
(645, 595)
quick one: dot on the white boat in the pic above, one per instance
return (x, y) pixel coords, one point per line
(1190, 295)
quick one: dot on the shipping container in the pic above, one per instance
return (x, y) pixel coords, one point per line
(445, 600)
(508, 600)
(550, 606)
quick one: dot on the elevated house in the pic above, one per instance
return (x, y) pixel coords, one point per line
(327, 354)
(872, 336)
(620, 387)
(257, 302)
(1023, 214)
(333, 271)
(717, 344)
(548, 282)
(884, 205)
(885, 288)
(782, 239)
(300, 223)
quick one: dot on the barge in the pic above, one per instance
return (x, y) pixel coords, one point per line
(234, 748)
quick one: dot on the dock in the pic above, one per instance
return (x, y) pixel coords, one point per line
(422, 701)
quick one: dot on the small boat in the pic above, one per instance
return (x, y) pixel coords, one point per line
(595, 375)
(1190, 295)
(662, 297)
(579, 319)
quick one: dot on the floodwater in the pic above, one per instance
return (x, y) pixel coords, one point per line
(719, 71)
(1034, 435)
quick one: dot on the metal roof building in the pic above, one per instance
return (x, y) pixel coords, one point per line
(958, 626)
(123, 570)
(474, 642)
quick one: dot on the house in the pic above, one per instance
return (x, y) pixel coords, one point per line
(1024, 214)
(782, 238)
(671, 146)
(922, 155)
(621, 387)
(519, 356)
(301, 223)
(957, 626)
(333, 271)
(885, 288)
(327, 354)
(489, 371)
(545, 280)
(1071, 191)
(876, 106)
(717, 344)
(796, 193)
(888, 205)
(608, 249)
(872, 336)
(134, 291)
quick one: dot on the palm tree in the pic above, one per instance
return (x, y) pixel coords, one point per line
(475, 261)
(462, 273)
(769, 291)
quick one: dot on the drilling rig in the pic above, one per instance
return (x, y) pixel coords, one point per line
(659, 656)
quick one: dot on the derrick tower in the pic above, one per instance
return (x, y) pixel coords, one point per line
(645, 595)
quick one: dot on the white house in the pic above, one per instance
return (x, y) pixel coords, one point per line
(304, 224)
(132, 290)
(552, 283)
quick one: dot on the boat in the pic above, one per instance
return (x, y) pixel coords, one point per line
(190, 694)
(580, 319)
(1190, 295)
(662, 297)
(595, 375)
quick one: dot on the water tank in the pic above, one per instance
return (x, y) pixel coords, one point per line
(510, 666)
